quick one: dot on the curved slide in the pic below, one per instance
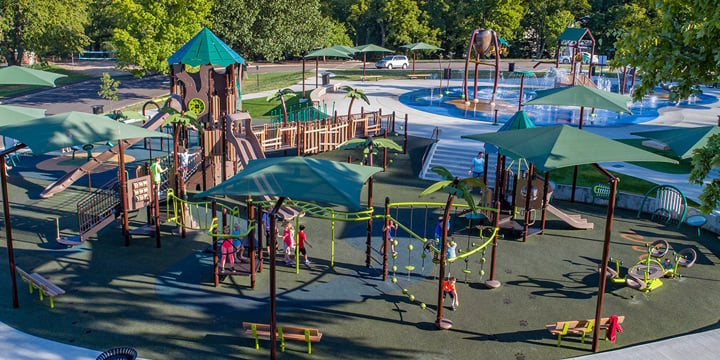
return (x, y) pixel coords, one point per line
(72, 176)
(574, 220)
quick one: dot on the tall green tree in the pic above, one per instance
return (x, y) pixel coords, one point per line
(402, 22)
(703, 161)
(45, 27)
(150, 31)
(678, 44)
(547, 19)
(270, 29)
(102, 21)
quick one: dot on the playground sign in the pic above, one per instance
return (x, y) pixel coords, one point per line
(139, 190)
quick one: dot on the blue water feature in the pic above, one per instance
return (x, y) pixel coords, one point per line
(440, 102)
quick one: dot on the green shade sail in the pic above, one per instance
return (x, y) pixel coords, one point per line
(327, 52)
(559, 146)
(682, 141)
(205, 48)
(420, 46)
(59, 131)
(20, 75)
(379, 143)
(299, 178)
(347, 49)
(582, 96)
(13, 114)
(503, 42)
(519, 120)
(371, 48)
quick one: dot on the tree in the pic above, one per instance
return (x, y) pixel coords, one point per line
(677, 44)
(280, 95)
(455, 187)
(403, 22)
(270, 29)
(103, 20)
(547, 19)
(703, 161)
(354, 94)
(44, 27)
(150, 31)
(108, 87)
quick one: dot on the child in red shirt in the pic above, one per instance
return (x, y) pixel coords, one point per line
(449, 288)
(301, 244)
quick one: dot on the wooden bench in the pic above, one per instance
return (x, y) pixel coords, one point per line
(44, 286)
(307, 335)
(417, 76)
(368, 77)
(578, 327)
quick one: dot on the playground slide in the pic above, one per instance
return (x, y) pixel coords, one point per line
(74, 175)
(573, 220)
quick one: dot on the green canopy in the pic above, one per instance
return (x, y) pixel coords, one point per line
(20, 75)
(14, 114)
(518, 121)
(299, 178)
(206, 49)
(419, 46)
(503, 42)
(347, 49)
(682, 141)
(572, 34)
(364, 49)
(59, 131)
(583, 96)
(559, 146)
(327, 52)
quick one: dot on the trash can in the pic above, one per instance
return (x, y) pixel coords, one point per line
(511, 67)
(97, 109)
(326, 79)
(447, 73)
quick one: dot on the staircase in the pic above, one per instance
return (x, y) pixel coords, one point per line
(456, 156)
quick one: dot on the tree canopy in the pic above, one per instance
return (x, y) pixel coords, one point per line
(677, 44)
(150, 31)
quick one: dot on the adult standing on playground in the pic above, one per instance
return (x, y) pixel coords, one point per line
(477, 169)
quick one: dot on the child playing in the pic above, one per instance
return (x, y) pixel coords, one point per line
(392, 226)
(237, 241)
(301, 243)
(449, 288)
(451, 250)
(289, 242)
(227, 250)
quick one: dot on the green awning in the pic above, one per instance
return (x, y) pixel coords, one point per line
(559, 146)
(347, 49)
(20, 75)
(59, 131)
(682, 141)
(519, 120)
(14, 114)
(327, 52)
(420, 46)
(582, 96)
(371, 48)
(206, 49)
(572, 34)
(299, 178)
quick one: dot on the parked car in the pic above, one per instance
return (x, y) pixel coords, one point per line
(393, 61)
(565, 59)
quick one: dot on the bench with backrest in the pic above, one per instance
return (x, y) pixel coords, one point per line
(44, 286)
(669, 204)
(308, 335)
(578, 327)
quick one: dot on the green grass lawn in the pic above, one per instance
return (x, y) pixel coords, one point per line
(260, 109)
(272, 81)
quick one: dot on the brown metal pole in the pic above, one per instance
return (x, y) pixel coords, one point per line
(494, 250)
(260, 229)
(156, 210)
(303, 71)
(443, 257)
(386, 237)
(317, 73)
(273, 300)
(181, 194)
(574, 183)
(384, 159)
(8, 231)
(406, 135)
(545, 200)
(606, 253)
(123, 193)
(368, 241)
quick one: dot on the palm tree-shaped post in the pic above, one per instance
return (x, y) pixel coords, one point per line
(455, 187)
(353, 94)
(281, 95)
(368, 145)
